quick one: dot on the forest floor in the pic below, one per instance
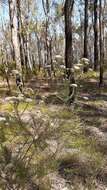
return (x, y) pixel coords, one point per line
(50, 144)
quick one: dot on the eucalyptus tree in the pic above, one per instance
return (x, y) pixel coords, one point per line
(86, 32)
(14, 33)
(68, 10)
(86, 29)
(100, 43)
(95, 35)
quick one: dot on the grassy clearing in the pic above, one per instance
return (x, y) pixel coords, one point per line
(63, 124)
(73, 135)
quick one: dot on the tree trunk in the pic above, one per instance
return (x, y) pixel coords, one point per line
(19, 31)
(100, 43)
(95, 35)
(39, 50)
(86, 30)
(14, 32)
(68, 8)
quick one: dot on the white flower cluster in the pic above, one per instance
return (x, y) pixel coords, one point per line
(85, 61)
(12, 99)
(74, 85)
(80, 65)
(58, 57)
(18, 99)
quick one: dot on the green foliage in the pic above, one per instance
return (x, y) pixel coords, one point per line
(91, 75)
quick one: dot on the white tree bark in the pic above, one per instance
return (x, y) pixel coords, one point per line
(14, 32)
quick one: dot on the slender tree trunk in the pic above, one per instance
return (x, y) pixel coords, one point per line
(81, 34)
(103, 29)
(86, 30)
(28, 37)
(100, 43)
(68, 8)
(39, 50)
(46, 8)
(47, 42)
(19, 31)
(18, 6)
(95, 35)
